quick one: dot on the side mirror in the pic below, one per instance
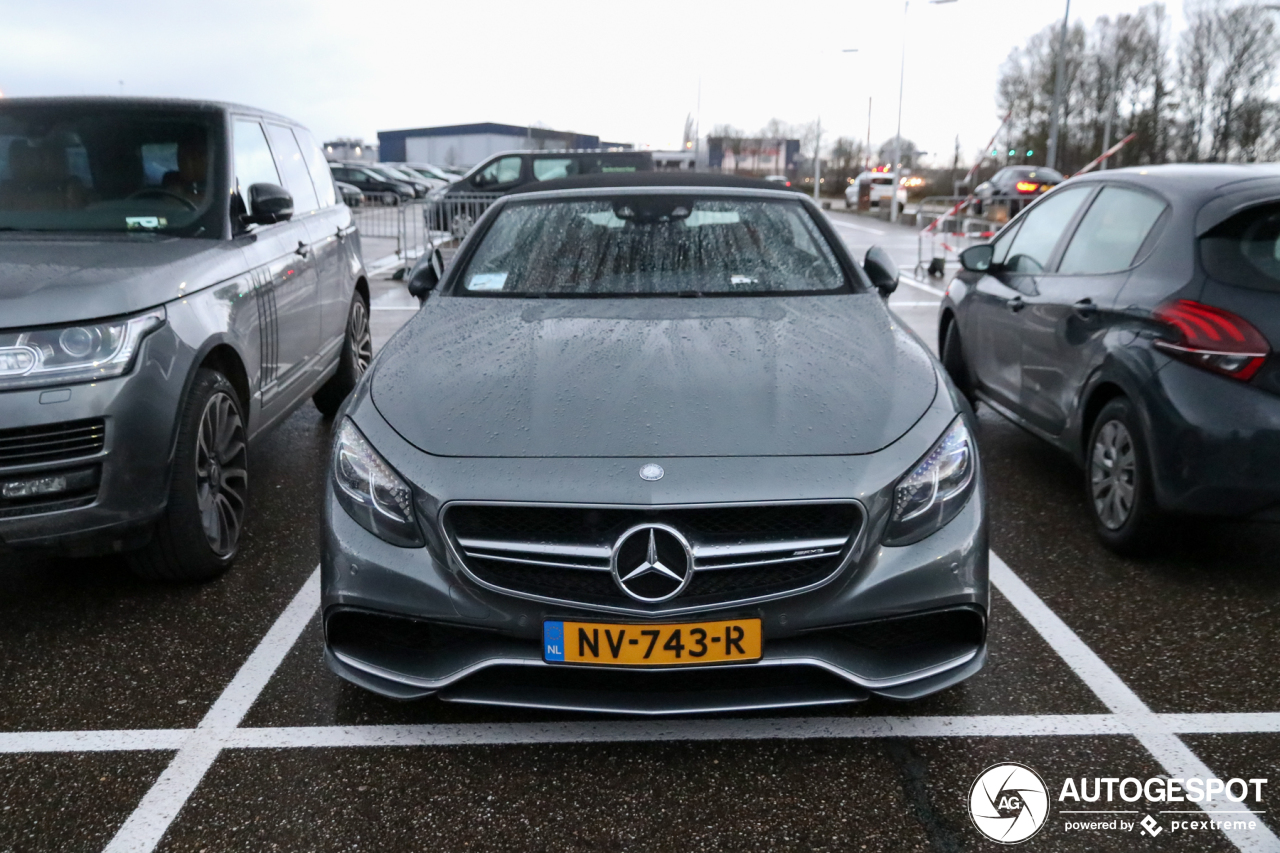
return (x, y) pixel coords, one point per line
(881, 269)
(268, 203)
(426, 274)
(978, 258)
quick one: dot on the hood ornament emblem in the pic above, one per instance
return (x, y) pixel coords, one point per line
(651, 472)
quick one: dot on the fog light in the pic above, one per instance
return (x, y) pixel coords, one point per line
(32, 488)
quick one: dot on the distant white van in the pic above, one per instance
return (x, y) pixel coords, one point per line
(881, 188)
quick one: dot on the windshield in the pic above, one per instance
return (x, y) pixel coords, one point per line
(78, 168)
(652, 245)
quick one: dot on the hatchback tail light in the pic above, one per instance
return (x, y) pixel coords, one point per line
(1212, 338)
(1027, 186)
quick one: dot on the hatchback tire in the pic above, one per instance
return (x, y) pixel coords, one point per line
(357, 352)
(198, 536)
(956, 366)
(1118, 487)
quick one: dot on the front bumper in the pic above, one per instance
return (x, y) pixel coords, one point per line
(807, 660)
(131, 470)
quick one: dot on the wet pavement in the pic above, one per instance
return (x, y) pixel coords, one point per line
(116, 720)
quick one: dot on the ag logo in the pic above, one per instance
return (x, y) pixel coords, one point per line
(1009, 803)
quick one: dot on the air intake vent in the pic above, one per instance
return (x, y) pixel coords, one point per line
(52, 443)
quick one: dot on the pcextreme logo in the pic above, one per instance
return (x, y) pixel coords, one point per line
(1009, 803)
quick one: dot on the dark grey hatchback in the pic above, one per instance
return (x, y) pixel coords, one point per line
(1128, 318)
(175, 277)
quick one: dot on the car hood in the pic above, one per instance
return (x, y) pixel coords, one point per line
(60, 279)
(824, 375)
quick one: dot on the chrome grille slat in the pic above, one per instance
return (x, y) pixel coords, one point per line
(742, 552)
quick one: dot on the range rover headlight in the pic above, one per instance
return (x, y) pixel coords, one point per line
(936, 488)
(371, 492)
(80, 353)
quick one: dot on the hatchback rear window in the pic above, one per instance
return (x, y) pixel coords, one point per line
(1245, 250)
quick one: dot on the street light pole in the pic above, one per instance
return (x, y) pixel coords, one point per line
(897, 137)
(1051, 156)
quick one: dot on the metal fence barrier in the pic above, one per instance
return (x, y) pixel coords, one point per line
(949, 225)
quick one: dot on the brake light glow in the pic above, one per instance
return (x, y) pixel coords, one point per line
(1027, 186)
(1213, 339)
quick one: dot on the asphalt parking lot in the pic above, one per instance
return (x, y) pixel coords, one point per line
(138, 717)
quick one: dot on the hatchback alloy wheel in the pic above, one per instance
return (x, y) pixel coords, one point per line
(221, 473)
(1113, 474)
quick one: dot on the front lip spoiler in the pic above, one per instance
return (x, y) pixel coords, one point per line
(435, 684)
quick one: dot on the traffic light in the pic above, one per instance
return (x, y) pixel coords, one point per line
(1012, 152)
(994, 152)
(1030, 152)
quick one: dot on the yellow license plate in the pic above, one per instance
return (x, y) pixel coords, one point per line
(651, 645)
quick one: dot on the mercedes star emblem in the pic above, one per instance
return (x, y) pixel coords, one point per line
(652, 563)
(651, 472)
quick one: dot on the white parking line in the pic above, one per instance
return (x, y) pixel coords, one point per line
(1176, 758)
(915, 282)
(198, 748)
(161, 804)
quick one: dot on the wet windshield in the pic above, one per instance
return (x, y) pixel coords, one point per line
(652, 245)
(72, 168)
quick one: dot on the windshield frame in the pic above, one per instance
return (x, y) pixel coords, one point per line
(855, 279)
(215, 220)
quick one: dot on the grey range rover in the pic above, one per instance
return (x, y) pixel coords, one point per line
(175, 278)
(655, 444)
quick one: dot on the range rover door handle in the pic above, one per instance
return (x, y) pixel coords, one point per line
(1016, 304)
(302, 249)
(1085, 309)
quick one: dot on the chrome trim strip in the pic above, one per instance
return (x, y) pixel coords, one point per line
(472, 669)
(601, 552)
(651, 614)
(768, 547)
(719, 566)
(538, 562)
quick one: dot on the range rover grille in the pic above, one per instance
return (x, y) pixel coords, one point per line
(739, 552)
(52, 443)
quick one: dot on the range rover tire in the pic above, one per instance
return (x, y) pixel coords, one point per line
(198, 536)
(357, 352)
(1117, 481)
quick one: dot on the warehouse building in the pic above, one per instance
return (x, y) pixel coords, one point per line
(465, 145)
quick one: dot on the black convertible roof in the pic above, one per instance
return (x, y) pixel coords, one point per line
(646, 179)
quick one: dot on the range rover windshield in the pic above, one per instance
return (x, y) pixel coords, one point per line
(637, 245)
(85, 168)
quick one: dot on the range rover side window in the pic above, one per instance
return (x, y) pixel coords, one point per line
(502, 171)
(321, 177)
(254, 164)
(293, 168)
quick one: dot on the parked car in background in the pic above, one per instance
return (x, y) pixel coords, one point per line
(782, 180)
(374, 185)
(175, 278)
(502, 173)
(433, 176)
(881, 188)
(1013, 188)
(1130, 318)
(420, 186)
(619, 518)
(351, 196)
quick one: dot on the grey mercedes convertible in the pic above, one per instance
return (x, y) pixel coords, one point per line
(655, 444)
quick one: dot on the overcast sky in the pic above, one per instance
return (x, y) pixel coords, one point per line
(626, 71)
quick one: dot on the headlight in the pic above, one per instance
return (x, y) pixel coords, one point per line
(935, 490)
(372, 493)
(80, 353)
